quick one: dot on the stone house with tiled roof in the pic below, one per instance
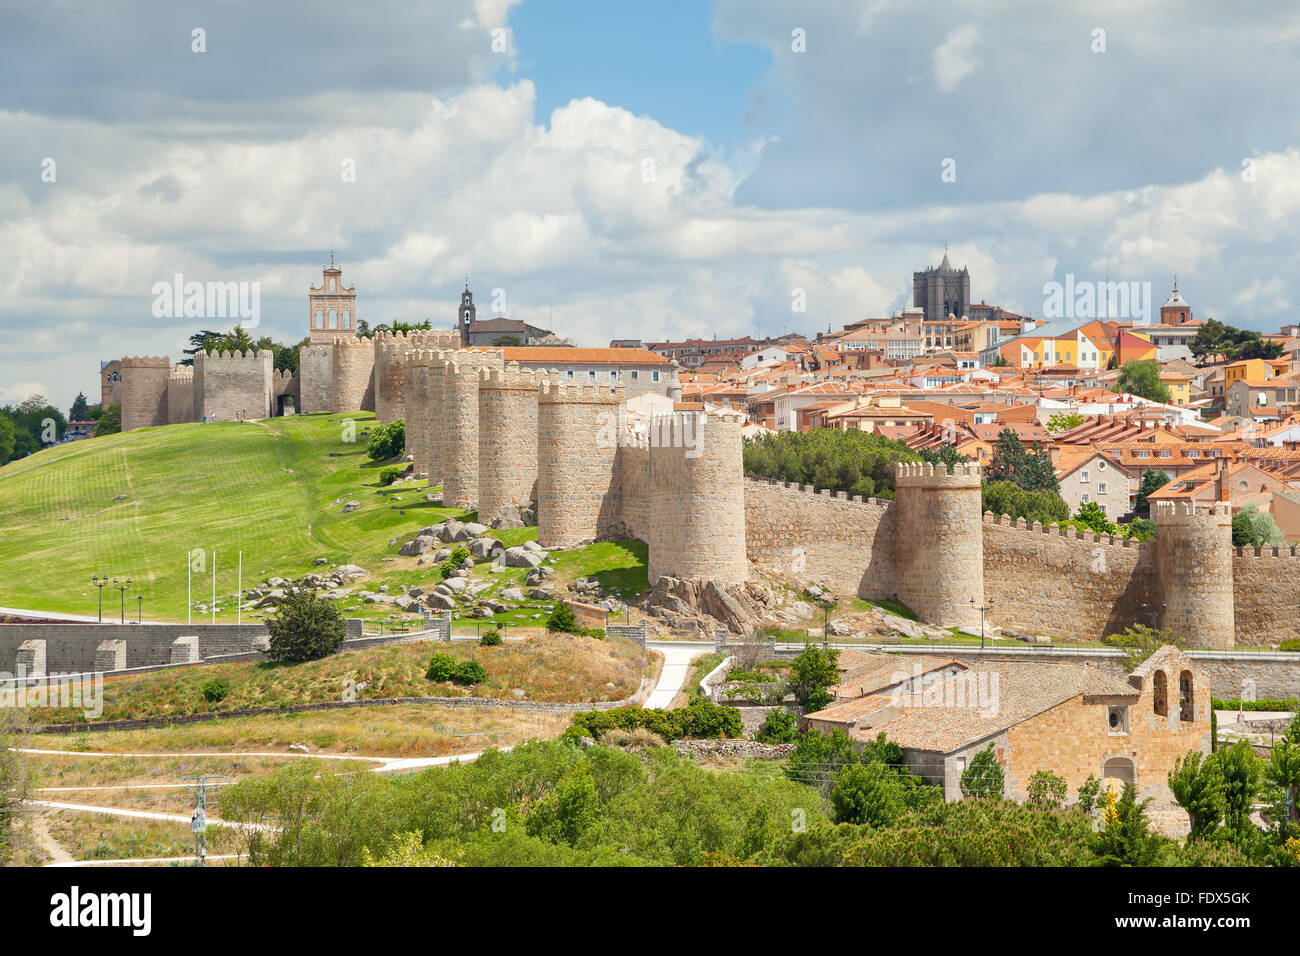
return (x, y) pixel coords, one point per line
(1071, 719)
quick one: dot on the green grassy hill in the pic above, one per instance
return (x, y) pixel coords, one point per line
(274, 490)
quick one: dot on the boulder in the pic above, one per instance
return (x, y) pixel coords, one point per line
(508, 519)
(421, 545)
(351, 506)
(522, 557)
(455, 584)
(441, 555)
(512, 594)
(481, 548)
(440, 602)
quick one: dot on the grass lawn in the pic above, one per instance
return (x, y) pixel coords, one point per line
(274, 490)
(548, 668)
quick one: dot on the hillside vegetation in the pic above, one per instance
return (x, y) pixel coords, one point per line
(143, 503)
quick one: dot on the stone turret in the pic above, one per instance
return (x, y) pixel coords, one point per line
(353, 372)
(577, 494)
(457, 426)
(939, 542)
(1194, 576)
(507, 447)
(698, 498)
(143, 391)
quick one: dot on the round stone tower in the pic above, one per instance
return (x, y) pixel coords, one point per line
(577, 492)
(1194, 578)
(354, 372)
(507, 440)
(699, 498)
(418, 379)
(144, 391)
(939, 542)
(391, 349)
(458, 441)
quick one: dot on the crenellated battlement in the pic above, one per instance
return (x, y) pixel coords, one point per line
(511, 377)
(924, 474)
(146, 361)
(556, 391)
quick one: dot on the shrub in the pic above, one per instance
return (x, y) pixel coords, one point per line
(458, 557)
(386, 441)
(984, 777)
(562, 620)
(701, 718)
(389, 474)
(638, 738)
(444, 669)
(870, 794)
(490, 638)
(216, 690)
(1046, 789)
(780, 727)
(814, 670)
(306, 627)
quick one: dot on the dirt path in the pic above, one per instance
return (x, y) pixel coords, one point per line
(51, 846)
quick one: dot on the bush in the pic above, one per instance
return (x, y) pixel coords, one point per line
(701, 718)
(445, 669)
(1273, 703)
(984, 776)
(389, 474)
(458, 557)
(490, 638)
(562, 620)
(386, 441)
(216, 690)
(306, 627)
(869, 794)
(859, 463)
(814, 670)
(780, 727)
(1046, 789)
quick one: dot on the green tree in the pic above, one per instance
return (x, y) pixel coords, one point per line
(507, 341)
(1142, 378)
(779, 727)
(818, 758)
(1152, 480)
(1011, 461)
(1008, 498)
(870, 794)
(1088, 791)
(812, 672)
(1197, 786)
(1282, 774)
(1138, 642)
(110, 421)
(562, 620)
(984, 776)
(1125, 838)
(1092, 517)
(568, 811)
(80, 408)
(1241, 781)
(1046, 789)
(1062, 422)
(6, 438)
(386, 441)
(304, 628)
(854, 462)
(1252, 528)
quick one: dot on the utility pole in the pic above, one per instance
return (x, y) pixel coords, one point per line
(982, 609)
(199, 821)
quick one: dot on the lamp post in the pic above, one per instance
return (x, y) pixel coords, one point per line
(100, 581)
(139, 608)
(827, 603)
(1154, 611)
(122, 589)
(982, 609)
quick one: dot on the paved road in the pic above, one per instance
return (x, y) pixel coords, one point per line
(677, 666)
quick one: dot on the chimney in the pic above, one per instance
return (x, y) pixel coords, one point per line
(1223, 480)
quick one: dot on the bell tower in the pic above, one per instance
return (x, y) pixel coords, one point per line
(331, 309)
(466, 313)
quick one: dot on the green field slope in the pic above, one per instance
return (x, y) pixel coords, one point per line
(273, 489)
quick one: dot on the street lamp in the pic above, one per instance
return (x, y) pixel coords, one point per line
(827, 603)
(982, 609)
(122, 589)
(100, 581)
(139, 608)
(1154, 611)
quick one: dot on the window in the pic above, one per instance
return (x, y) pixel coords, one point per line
(1187, 706)
(654, 376)
(1117, 719)
(1101, 466)
(613, 375)
(1083, 499)
(1160, 694)
(634, 375)
(569, 373)
(1101, 488)
(1083, 475)
(591, 374)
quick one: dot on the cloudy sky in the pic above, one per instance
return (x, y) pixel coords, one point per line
(630, 170)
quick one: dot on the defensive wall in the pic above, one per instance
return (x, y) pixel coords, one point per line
(932, 550)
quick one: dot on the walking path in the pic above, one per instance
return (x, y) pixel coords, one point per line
(677, 666)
